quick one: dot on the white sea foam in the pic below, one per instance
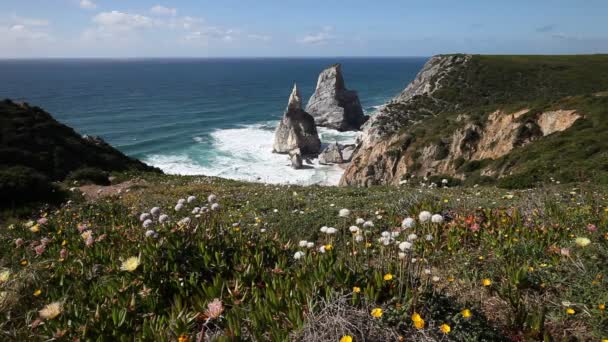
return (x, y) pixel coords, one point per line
(245, 153)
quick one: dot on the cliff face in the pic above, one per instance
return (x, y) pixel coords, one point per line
(471, 116)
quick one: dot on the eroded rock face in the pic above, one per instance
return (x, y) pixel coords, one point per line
(557, 121)
(334, 106)
(297, 129)
(295, 156)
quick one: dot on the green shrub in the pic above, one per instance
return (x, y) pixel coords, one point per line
(89, 175)
(525, 180)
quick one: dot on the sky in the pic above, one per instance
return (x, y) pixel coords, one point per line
(287, 28)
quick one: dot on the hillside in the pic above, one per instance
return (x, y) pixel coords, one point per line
(203, 259)
(35, 150)
(511, 120)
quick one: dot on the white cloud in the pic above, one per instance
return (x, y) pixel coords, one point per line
(87, 4)
(162, 10)
(119, 21)
(319, 38)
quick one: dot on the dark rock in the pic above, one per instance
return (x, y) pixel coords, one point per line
(331, 155)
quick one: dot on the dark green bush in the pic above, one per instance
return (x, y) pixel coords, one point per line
(19, 184)
(525, 180)
(89, 175)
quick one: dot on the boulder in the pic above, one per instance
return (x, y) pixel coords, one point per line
(331, 155)
(347, 152)
(334, 106)
(295, 156)
(297, 129)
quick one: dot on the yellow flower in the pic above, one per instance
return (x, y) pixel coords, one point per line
(4, 275)
(35, 228)
(445, 328)
(346, 338)
(356, 289)
(64, 242)
(183, 338)
(130, 264)
(416, 317)
(328, 247)
(37, 293)
(368, 244)
(570, 311)
(388, 277)
(23, 262)
(51, 311)
(486, 282)
(377, 313)
(451, 279)
(466, 313)
(419, 324)
(602, 306)
(582, 241)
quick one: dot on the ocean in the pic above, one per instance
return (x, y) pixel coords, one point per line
(212, 117)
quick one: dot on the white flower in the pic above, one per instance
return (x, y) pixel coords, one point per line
(184, 222)
(359, 238)
(215, 206)
(353, 229)
(435, 278)
(181, 201)
(324, 229)
(322, 249)
(408, 222)
(395, 234)
(148, 223)
(429, 237)
(424, 216)
(191, 199)
(298, 255)
(437, 218)
(331, 231)
(310, 244)
(427, 271)
(212, 198)
(368, 224)
(262, 230)
(151, 234)
(155, 211)
(402, 255)
(144, 217)
(196, 210)
(385, 234)
(412, 237)
(303, 243)
(359, 220)
(163, 218)
(179, 207)
(344, 213)
(444, 181)
(405, 245)
(385, 240)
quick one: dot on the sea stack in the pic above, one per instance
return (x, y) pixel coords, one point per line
(297, 129)
(334, 106)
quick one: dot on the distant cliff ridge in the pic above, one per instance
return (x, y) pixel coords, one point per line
(517, 120)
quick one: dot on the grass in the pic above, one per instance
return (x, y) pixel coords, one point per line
(521, 244)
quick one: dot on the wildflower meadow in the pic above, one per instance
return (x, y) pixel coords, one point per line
(203, 259)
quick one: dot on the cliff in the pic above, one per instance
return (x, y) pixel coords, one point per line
(515, 120)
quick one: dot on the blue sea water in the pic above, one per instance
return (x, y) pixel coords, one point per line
(198, 116)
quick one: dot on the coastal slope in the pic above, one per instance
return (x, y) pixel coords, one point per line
(512, 120)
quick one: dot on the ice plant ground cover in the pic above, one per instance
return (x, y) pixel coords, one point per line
(187, 258)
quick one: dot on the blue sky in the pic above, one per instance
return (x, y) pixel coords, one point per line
(246, 28)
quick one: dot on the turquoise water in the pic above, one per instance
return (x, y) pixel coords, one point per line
(197, 116)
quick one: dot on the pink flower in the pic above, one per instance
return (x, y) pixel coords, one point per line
(40, 249)
(63, 253)
(101, 237)
(214, 309)
(564, 252)
(82, 227)
(90, 241)
(42, 221)
(45, 241)
(591, 227)
(19, 242)
(474, 227)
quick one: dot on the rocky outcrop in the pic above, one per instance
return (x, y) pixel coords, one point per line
(295, 157)
(332, 154)
(297, 129)
(556, 121)
(334, 106)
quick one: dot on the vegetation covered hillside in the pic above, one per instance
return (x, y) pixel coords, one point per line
(194, 258)
(548, 113)
(35, 150)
